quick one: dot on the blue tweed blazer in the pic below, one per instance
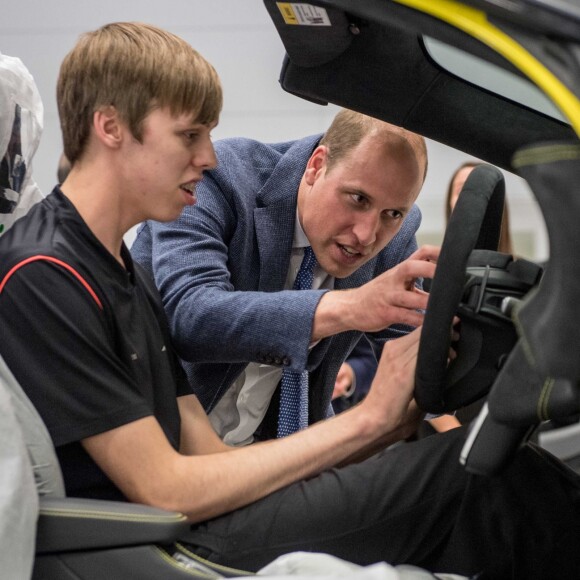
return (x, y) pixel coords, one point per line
(221, 269)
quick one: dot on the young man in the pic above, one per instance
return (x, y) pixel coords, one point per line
(226, 267)
(85, 334)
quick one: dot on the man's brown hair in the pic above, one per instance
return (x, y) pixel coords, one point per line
(135, 68)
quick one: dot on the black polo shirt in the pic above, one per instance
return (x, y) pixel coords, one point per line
(86, 338)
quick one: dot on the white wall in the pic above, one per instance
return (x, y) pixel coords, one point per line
(239, 39)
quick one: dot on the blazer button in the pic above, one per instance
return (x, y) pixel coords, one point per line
(278, 360)
(286, 361)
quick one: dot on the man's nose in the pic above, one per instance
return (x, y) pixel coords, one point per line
(205, 156)
(366, 228)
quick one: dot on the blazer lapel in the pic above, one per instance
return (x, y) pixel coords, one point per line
(275, 215)
(274, 232)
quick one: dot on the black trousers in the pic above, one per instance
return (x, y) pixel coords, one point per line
(415, 504)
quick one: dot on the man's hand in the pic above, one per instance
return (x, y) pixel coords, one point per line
(344, 381)
(390, 298)
(389, 410)
(391, 394)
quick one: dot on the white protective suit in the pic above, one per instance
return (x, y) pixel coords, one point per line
(21, 121)
(21, 118)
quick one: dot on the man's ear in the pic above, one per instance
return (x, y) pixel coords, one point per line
(316, 164)
(108, 126)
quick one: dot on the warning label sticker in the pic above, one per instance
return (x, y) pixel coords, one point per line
(303, 14)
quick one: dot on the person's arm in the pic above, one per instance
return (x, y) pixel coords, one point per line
(140, 461)
(391, 298)
(444, 423)
(197, 435)
(198, 262)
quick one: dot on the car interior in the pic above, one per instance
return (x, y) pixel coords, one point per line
(405, 61)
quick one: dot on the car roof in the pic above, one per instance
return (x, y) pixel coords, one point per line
(374, 56)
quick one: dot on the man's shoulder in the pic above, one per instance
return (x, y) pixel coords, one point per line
(243, 151)
(26, 238)
(413, 220)
(37, 236)
(246, 150)
(248, 164)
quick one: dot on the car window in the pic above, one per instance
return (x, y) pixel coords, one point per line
(490, 76)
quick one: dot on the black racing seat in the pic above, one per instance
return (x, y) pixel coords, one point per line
(540, 379)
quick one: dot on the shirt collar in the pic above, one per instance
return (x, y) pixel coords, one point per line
(300, 240)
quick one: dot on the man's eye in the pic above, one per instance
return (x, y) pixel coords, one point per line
(394, 214)
(190, 135)
(358, 198)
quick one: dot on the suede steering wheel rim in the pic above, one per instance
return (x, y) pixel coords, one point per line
(475, 223)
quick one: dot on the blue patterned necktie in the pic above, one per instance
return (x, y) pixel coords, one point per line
(294, 386)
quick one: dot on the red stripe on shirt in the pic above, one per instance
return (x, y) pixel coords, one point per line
(66, 266)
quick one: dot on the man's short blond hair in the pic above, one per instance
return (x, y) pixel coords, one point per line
(135, 68)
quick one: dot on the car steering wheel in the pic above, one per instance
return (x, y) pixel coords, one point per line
(475, 223)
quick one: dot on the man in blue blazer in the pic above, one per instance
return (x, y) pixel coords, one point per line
(225, 268)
